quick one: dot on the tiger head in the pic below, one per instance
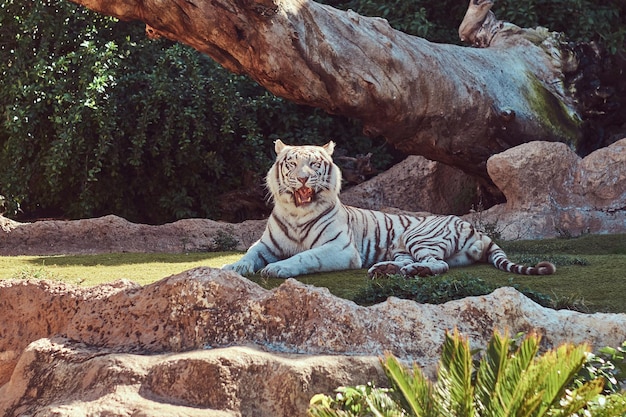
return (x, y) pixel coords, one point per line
(304, 176)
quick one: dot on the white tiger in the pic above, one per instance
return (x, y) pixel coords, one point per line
(310, 230)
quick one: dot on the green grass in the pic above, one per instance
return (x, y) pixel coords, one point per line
(95, 269)
(591, 271)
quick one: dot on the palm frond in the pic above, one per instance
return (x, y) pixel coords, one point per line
(454, 388)
(413, 389)
(489, 376)
(557, 369)
(504, 387)
(574, 401)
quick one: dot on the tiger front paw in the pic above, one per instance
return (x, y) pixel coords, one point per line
(277, 271)
(241, 267)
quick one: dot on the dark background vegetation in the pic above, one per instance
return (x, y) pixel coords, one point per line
(97, 119)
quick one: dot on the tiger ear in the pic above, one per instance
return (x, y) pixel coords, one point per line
(279, 146)
(329, 147)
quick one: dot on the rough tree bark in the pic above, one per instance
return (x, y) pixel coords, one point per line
(457, 105)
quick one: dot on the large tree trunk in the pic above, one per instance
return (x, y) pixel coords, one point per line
(457, 105)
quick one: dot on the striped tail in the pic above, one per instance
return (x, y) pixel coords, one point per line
(497, 258)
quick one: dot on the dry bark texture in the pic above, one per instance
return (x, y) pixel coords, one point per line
(167, 348)
(448, 103)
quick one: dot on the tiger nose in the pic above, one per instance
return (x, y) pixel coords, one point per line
(303, 180)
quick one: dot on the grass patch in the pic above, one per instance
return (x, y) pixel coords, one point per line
(591, 274)
(142, 268)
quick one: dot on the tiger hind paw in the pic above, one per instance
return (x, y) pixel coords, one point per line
(425, 269)
(384, 269)
(415, 270)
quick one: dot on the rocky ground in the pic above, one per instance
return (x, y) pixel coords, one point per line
(209, 342)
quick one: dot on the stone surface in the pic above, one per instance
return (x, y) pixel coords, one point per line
(550, 191)
(416, 184)
(115, 234)
(64, 378)
(119, 345)
(6, 225)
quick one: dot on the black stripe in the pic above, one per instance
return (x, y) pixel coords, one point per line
(319, 234)
(271, 252)
(306, 227)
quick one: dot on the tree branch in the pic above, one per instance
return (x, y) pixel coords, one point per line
(452, 104)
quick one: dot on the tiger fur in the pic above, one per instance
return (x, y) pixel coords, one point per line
(310, 230)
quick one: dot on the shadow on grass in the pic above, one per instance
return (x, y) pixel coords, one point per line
(117, 259)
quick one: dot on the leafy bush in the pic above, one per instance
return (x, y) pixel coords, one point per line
(580, 20)
(432, 290)
(225, 240)
(610, 364)
(508, 380)
(97, 119)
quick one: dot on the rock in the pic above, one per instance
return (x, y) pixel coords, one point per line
(600, 178)
(64, 378)
(115, 234)
(529, 175)
(7, 224)
(166, 343)
(416, 185)
(550, 191)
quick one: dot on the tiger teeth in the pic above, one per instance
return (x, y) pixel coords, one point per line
(303, 195)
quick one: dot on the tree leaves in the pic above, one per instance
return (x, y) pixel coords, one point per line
(97, 119)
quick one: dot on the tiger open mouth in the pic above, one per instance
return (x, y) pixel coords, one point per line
(303, 195)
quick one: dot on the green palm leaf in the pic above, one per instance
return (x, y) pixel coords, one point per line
(489, 376)
(454, 388)
(574, 401)
(557, 369)
(504, 385)
(411, 386)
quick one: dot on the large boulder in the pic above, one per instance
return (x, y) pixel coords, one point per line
(416, 185)
(66, 349)
(552, 192)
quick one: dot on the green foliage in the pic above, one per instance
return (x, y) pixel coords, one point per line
(441, 289)
(580, 20)
(509, 379)
(435, 21)
(40, 272)
(96, 119)
(225, 240)
(362, 400)
(432, 290)
(608, 363)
